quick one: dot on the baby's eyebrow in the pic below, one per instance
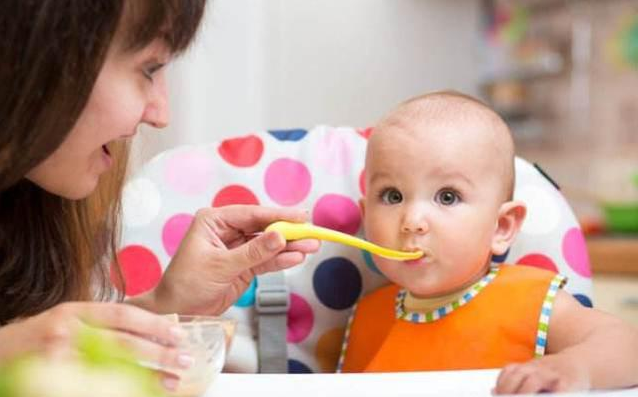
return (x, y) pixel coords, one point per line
(380, 175)
(457, 175)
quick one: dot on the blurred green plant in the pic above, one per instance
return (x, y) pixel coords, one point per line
(102, 368)
(622, 48)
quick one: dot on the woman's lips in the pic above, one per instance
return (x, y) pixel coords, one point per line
(106, 156)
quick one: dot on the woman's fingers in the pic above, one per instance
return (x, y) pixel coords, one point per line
(133, 320)
(247, 219)
(252, 218)
(307, 246)
(255, 252)
(158, 356)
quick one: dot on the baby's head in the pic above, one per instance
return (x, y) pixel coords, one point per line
(440, 178)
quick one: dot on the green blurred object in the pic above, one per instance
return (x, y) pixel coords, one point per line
(629, 40)
(104, 368)
(621, 217)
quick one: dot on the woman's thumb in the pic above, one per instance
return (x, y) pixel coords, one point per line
(259, 250)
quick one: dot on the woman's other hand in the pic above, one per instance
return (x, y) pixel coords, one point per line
(150, 337)
(221, 254)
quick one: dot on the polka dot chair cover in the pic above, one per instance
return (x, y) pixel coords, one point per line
(321, 170)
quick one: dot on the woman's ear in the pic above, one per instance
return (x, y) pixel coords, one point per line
(510, 219)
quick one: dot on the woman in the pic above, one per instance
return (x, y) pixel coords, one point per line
(77, 79)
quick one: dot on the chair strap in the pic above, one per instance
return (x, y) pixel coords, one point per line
(272, 300)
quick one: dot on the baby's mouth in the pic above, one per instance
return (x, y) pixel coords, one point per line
(422, 260)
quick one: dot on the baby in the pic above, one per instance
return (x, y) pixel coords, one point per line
(440, 179)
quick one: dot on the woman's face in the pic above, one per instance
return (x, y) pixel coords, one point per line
(130, 90)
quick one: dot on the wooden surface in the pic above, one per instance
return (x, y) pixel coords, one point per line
(614, 255)
(617, 294)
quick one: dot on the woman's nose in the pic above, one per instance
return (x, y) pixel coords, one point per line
(157, 113)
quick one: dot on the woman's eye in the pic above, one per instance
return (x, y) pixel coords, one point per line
(447, 197)
(391, 196)
(150, 70)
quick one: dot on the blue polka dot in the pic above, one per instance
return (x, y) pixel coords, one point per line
(337, 283)
(248, 298)
(288, 135)
(585, 301)
(500, 258)
(297, 367)
(367, 257)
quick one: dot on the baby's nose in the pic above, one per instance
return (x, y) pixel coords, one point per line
(415, 225)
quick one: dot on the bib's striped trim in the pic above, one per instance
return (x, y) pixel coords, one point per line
(428, 317)
(346, 336)
(546, 311)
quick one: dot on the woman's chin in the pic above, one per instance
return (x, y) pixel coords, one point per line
(78, 191)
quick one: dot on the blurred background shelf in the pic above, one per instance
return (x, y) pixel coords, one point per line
(614, 261)
(614, 254)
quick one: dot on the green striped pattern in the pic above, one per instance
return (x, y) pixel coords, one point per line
(344, 345)
(428, 317)
(546, 311)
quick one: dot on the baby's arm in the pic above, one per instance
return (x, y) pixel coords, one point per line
(586, 349)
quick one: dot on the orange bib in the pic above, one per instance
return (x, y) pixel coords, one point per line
(498, 326)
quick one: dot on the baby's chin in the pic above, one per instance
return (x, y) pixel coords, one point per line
(428, 286)
(424, 292)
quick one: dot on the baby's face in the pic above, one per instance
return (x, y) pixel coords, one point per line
(436, 188)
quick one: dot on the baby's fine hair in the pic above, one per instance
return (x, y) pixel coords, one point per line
(442, 102)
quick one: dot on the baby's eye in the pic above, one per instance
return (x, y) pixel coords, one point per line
(447, 197)
(391, 196)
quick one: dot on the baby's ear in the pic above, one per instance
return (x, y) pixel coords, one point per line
(362, 206)
(510, 218)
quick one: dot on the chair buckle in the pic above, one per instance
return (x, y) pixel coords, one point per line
(272, 299)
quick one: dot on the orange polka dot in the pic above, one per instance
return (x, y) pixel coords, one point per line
(328, 349)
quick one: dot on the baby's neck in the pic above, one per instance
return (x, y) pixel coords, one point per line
(426, 303)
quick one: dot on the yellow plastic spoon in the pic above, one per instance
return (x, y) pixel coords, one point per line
(297, 231)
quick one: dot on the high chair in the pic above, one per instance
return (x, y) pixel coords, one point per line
(302, 313)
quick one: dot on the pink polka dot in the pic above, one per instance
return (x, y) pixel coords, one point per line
(365, 132)
(337, 212)
(234, 194)
(300, 319)
(189, 172)
(174, 230)
(140, 267)
(538, 260)
(242, 152)
(362, 182)
(575, 252)
(334, 153)
(287, 181)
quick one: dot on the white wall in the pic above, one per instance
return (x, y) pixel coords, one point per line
(260, 64)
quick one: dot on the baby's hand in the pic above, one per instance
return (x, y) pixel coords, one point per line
(547, 374)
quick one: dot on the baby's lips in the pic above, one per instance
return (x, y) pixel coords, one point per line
(426, 252)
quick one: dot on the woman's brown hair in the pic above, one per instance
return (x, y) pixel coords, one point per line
(51, 52)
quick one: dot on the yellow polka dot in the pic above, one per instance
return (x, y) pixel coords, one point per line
(328, 348)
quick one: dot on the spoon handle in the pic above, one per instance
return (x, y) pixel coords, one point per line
(296, 231)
